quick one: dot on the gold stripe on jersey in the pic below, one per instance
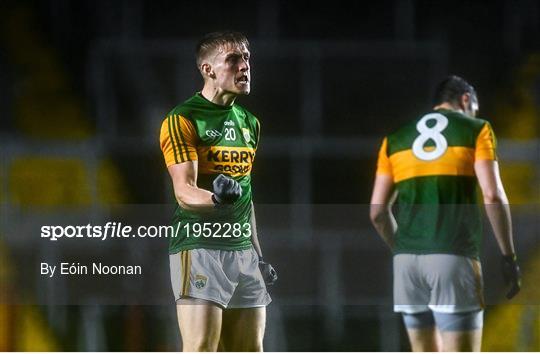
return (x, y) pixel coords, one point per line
(456, 161)
(183, 125)
(231, 160)
(189, 137)
(177, 138)
(184, 145)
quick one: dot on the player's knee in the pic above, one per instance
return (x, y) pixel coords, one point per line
(460, 331)
(424, 346)
(201, 347)
(424, 340)
(204, 344)
(462, 342)
(249, 343)
(255, 346)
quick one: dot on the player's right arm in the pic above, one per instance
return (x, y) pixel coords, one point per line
(188, 195)
(178, 141)
(380, 211)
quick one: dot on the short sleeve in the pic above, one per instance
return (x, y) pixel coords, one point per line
(384, 167)
(486, 144)
(178, 140)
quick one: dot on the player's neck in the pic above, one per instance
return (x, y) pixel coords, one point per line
(217, 96)
(448, 106)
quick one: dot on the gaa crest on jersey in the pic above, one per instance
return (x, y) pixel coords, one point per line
(247, 137)
(200, 281)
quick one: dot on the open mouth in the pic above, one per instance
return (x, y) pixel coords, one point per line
(242, 80)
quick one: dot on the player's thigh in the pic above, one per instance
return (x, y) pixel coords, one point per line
(243, 329)
(422, 332)
(200, 324)
(466, 341)
(460, 331)
(424, 340)
(250, 292)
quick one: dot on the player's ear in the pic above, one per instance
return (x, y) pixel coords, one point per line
(207, 71)
(465, 102)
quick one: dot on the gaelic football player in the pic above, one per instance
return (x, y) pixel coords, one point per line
(209, 144)
(434, 165)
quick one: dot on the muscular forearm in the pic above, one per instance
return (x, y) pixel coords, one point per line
(498, 212)
(193, 198)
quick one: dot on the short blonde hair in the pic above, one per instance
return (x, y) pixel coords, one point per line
(215, 40)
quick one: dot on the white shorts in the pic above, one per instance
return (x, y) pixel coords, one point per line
(439, 282)
(231, 279)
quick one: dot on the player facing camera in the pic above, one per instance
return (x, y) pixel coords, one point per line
(209, 143)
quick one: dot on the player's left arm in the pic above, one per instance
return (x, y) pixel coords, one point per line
(253, 219)
(254, 234)
(268, 272)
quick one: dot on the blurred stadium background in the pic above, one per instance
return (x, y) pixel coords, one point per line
(84, 86)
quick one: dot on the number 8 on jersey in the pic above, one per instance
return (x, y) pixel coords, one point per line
(430, 133)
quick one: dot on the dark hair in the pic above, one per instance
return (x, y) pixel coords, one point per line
(451, 89)
(214, 40)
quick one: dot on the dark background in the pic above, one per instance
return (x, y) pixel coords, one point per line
(84, 86)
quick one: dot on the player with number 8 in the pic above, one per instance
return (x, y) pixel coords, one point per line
(433, 165)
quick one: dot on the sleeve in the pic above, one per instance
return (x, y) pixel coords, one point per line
(486, 144)
(178, 140)
(384, 167)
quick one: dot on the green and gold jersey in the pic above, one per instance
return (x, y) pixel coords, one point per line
(431, 161)
(223, 140)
